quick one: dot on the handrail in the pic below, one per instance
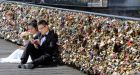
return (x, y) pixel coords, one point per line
(80, 11)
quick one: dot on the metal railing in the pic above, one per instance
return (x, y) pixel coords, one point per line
(79, 11)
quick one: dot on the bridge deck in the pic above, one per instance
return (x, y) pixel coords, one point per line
(6, 48)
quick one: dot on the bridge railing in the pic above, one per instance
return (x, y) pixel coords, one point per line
(90, 13)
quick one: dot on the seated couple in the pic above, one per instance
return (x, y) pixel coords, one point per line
(42, 49)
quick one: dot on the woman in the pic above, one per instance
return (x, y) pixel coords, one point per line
(15, 57)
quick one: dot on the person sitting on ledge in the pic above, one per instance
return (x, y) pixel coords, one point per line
(41, 50)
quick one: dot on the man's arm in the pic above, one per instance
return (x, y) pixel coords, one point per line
(50, 48)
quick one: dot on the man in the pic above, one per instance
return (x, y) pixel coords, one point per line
(42, 50)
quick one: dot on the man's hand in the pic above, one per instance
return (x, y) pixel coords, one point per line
(36, 43)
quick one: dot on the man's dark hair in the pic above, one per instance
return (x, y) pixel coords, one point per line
(43, 22)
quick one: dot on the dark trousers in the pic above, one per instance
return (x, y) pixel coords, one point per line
(36, 56)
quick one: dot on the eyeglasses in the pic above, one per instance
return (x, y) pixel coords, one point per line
(40, 28)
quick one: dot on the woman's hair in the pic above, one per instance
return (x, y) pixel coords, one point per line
(33, 23)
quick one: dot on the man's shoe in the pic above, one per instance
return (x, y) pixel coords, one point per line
(20, 65)
(28, 66)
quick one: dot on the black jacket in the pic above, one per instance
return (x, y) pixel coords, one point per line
(49, 48)
(37, 36)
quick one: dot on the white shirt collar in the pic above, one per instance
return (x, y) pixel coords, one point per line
(47, 33)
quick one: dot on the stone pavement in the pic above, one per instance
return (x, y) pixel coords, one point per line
(6, 48)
